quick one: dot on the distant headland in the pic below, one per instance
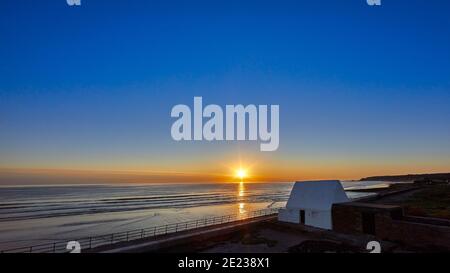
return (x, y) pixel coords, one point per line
(409, 177)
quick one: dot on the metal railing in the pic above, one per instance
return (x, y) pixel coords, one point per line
(109, 239)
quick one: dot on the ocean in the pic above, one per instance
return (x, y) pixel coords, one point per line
(38, 214)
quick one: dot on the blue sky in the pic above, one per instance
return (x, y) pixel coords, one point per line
(359, 87)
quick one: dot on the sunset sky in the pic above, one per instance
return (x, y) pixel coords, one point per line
(86, 92)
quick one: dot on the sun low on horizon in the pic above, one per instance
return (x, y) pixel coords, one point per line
(241, 173)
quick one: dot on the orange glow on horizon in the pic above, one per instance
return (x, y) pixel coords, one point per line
(224, 170)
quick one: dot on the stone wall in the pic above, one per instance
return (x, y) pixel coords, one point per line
(390, 224)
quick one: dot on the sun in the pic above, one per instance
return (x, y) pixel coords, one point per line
(241, 173)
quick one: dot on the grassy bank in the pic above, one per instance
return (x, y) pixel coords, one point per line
(427, 201)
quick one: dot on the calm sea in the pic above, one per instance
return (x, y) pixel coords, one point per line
(39, 214)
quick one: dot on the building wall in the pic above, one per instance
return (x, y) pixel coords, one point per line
(346, 219)
(315, 218)
(289, 215)
(413, 233)
(391, 225)
(320, 219)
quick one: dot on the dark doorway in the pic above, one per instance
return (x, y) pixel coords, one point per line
(302, 216)
(368, 223)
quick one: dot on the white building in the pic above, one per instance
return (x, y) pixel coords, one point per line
(310, 203)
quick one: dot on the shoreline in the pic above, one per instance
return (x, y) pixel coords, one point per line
(394, 192)
(270, 236)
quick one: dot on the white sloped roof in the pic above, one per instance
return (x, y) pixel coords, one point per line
(319, 195)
